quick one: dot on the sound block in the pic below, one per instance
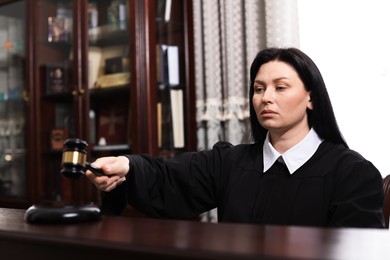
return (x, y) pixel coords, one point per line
(61, 213)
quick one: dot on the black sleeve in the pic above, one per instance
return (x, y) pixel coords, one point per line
(358, 198)
(115, 201)
(181, 187)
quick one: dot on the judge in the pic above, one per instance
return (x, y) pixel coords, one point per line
(298, 170)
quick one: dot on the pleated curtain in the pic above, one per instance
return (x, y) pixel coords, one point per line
(228, 35)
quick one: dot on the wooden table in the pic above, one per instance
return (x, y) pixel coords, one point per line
(115, 238)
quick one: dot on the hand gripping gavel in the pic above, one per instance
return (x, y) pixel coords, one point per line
(74, 159)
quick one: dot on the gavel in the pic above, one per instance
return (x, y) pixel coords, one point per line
(74, 159)
(74, 164)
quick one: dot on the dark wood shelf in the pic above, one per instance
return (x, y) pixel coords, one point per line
(110, 93)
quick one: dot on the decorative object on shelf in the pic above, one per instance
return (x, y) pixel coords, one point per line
(108, 60)
(113, 80)
(102, 141)
(57, 138)
(58, 29)
(116, 65)
(92, 126)
(117, 12)
(93, 15)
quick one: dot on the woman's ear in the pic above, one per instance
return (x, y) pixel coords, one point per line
(309, 103)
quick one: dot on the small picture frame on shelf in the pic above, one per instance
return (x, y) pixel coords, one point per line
(58, 77)
(116, 65)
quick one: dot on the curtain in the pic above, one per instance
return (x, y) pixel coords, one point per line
(228, 34)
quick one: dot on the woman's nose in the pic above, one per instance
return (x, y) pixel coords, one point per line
(267, 95)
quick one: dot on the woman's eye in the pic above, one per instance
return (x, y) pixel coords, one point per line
(258, 89)
(280, 88)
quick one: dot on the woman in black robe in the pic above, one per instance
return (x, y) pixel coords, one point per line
(298, 170)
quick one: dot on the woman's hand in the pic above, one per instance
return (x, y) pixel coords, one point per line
(115, 170)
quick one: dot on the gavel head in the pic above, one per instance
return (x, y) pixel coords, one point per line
(74, 157)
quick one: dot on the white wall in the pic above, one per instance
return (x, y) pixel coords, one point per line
(349, 40)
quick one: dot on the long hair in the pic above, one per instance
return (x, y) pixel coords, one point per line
(321, 118)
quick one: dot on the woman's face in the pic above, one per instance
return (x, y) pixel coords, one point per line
(280, 99)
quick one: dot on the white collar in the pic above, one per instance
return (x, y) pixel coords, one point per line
(294, 157)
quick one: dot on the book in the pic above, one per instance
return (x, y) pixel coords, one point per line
(173, 65)
(112, 124)
(163, 10)
(164, 118)
(167, 61)
(177, 109)
(95, 68)
(161, 65)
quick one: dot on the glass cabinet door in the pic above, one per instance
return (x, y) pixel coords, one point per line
(57, 114)
(12, 103)
(109, 76)
(84, 79)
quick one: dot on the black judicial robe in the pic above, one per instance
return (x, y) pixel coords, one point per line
(336, 187)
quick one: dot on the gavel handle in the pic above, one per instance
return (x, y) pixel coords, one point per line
(94, 170)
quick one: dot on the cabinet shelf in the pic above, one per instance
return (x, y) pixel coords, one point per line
(109, 34)
(58, 97)
(58, 45)
(110, 93)
(110, 148)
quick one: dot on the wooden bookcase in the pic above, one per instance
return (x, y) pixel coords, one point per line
(94, 71)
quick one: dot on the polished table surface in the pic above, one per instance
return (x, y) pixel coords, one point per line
(143, 238)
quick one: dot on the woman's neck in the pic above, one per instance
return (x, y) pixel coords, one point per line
(284, 140)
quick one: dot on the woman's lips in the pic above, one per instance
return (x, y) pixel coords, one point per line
(267, 111)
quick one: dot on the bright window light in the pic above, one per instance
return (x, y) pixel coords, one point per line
(349, 40)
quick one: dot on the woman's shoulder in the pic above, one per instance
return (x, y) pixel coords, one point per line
(344, 158)
(339, 151)
(243, 154)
